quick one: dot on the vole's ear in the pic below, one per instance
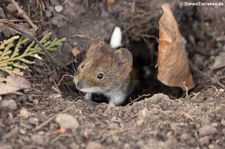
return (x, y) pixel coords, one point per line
(123, 58)
(97, 46)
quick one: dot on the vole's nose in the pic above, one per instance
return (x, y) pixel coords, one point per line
(79, 85)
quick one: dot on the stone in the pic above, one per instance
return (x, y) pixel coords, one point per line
(67, 121)
(74, 146)
(58, 8)
(204, 140)
(22, 131)
(221, 90)
(24, 113)
(33, 120)
(38, 139)
(48, 13)
(9, 104)
(207, 130)
(94, 145)
(223, 122)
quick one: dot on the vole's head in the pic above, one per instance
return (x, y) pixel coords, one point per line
(103, 69)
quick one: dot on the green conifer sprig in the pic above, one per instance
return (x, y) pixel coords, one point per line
(13, 61)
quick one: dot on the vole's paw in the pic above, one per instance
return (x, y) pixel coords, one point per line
(88, 96)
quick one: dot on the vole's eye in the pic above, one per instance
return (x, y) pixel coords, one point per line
(81, 66)
(100, 76)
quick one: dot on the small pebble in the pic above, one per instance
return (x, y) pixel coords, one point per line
(10, 104)
(211, 146)
(204, 140)
(221, 90)
(115, 138)
(223, 122)
(10, 116)
(219, 45)
(207, 130)
(22, 131)
(41, 132)
(86, 134)
(185, 137)
(94, 145)
(24, 113)
(127, 146)
(74, 146)
(57, 21)
(35, 101)
(33, 120)
(214, 124)
(220, 38)
(21, 99)
(139, 122)
(38, 139)
(30, 98)
(48, 14)
(58, 8)
(67, 121)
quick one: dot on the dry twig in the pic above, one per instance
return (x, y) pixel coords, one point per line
(188, 116)
(23, 14)
(51, 118)
(137, 99)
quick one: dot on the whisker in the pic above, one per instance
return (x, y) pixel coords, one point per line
(65, 75)
(75, 73)
(74, 67)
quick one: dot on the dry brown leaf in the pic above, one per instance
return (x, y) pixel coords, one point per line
(13, 84)
(173, 68)
(219, 62)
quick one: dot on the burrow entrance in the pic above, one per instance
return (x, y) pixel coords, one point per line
(144, 54)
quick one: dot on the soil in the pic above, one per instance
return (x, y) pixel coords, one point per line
(56, 116)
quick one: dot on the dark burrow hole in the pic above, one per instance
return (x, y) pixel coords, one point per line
(144, 65)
